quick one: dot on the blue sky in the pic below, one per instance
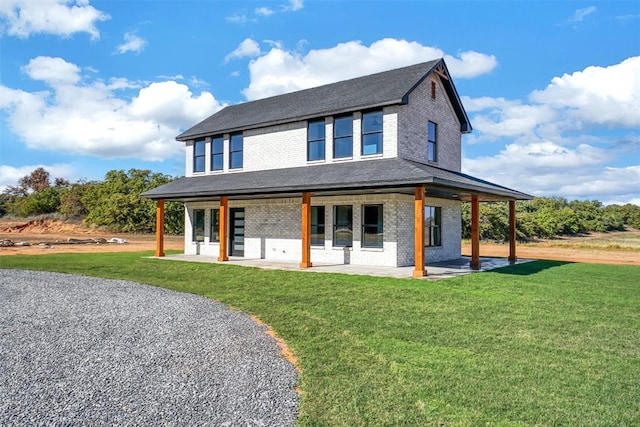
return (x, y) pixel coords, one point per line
(552, 88)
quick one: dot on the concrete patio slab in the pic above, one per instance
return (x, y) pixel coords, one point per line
(440, 270)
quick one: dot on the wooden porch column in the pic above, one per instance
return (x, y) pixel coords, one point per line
(306, 230)
(475, 233)
(160, 228)
(224, 226)
(512, 231)
(418, 215)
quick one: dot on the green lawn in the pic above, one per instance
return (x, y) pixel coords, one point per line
(542, 343)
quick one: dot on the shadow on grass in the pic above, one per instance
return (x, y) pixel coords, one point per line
(528, 268)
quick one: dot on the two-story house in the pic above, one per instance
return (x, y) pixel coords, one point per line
(364, 171)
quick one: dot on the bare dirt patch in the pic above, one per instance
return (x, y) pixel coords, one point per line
(599, 248)
(54, 236)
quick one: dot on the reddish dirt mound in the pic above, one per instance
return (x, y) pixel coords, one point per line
(44, 226)
(54, 236)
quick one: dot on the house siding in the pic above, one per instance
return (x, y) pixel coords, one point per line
(412, 125)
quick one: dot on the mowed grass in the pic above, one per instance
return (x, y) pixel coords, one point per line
(542, 343)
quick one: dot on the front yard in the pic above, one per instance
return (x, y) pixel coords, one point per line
(542, 343)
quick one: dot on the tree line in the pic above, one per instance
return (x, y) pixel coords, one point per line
(115, 204)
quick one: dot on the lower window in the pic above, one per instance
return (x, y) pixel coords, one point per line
(343, 226)
(317, 225)
(432, 226)
(372, 226)
(198, 225)
(215, 225)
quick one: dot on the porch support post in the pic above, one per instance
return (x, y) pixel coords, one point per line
(475, 232)
(224, 226)
(160, 228)
(306, 230)
(418, 215)
(512, 231)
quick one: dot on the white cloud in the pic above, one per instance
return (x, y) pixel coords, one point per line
(22, 18)
(239, 19)
(264, 11)
(580, 14)
(598, 95)
(132, 43)
(563, 139)
(10, 175)
(87, 117)
(280, 71)
(247, 47)
(293, 5)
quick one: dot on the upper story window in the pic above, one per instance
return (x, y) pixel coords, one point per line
(433, 226)
(372, 133)
(217, 149)
(315, 140)
(372, 226)
(433, 90)
(432, 142)
(343, 137)
(235, 151)
(199, 155)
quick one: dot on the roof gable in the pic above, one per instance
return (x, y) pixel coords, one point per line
(375, 90)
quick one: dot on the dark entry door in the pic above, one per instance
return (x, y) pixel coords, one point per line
(236, 237)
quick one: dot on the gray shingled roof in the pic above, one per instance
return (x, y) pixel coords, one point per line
(375, 90)
(348, 176)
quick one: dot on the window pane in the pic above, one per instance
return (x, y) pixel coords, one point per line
(215, 225)
(316, 150)
(198, 164)
(216, 162)
(198, 147)
(343, 126)
(372, 143)
(431, 132)
(317, 225)
(217, 145)
(433, 225)
(236, 142)
(316, 130)
(372, 122)
(343, 147)
(236, 160)
(198, 225)
(372, 226)
(431, 152)
(342, 226)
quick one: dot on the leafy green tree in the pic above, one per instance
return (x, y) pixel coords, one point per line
(115, 203)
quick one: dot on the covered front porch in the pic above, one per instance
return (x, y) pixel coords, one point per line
(407, 182)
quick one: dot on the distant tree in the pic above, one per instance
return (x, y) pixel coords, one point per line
(115, 203)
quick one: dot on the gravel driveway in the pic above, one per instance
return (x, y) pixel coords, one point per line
(76, 350)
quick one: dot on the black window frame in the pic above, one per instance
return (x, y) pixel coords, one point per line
(337, 139)
(312, 141)
(215, 154)
(202, 157)
(432, 226)
(318, 228)
(349, 226)
(369, 132)
(432, 145)
(233, 151)
(196, 225)
(378, 227)
(214, 224)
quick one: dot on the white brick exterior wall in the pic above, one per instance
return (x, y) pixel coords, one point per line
(273, 230)
(412, 125)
